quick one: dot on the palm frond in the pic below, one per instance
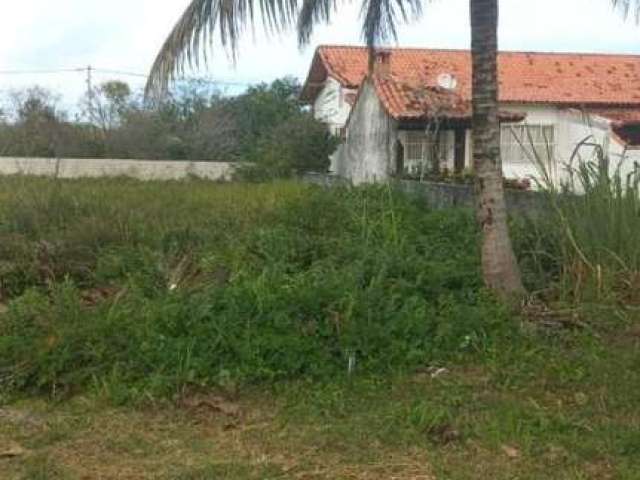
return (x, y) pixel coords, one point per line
(313, 12)
(381, 17)
(194, 31)
(628, 8)
(196, 28)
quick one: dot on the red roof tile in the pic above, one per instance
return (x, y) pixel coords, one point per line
(558, 78)
(413, 100)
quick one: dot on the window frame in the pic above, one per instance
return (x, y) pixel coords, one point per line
(427, 143)
(522, 140)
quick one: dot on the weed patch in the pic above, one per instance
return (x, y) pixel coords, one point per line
(142, 289)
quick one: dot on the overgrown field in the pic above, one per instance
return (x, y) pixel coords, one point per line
(242, 331)
(143, 288)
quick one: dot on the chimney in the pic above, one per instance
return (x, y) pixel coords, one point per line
(382, 63)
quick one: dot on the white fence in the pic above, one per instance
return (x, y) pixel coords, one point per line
(141, 169)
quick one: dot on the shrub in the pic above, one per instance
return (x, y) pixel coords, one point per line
(299, 144)
(589, 241)
(219, 283)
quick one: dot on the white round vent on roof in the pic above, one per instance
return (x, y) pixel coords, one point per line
(447, 81)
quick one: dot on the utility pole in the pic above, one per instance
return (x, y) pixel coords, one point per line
(90, 92)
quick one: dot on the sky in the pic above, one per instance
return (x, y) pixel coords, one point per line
(125, 35)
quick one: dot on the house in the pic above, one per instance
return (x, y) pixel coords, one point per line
(412, 114)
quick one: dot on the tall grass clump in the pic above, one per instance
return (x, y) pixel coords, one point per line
(142, 289)
(591, 238)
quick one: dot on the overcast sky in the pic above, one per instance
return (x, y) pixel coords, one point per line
(126, 34)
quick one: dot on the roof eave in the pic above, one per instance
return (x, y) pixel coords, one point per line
(310, 88)
(504, 117)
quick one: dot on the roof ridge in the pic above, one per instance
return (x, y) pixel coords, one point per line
(466, 50)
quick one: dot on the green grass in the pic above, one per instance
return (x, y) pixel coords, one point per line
(567, 409)
(128, 301)
(139, 290)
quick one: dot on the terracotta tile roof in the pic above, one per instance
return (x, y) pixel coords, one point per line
(412, 100)
(567, 79)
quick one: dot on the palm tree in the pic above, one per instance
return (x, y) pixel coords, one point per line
(499, 266)
(203, 18)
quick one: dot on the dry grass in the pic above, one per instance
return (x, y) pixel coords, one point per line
(84, 440)
(564, 416)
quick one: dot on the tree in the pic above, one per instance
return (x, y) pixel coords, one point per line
(106, 104)
(499, 265)
(37, 123)
(202, 18)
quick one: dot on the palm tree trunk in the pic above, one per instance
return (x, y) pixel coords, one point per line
(499, 266)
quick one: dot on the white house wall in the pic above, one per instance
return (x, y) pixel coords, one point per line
(367, 153)
(571, 128)
(627, 160)
(331, 106)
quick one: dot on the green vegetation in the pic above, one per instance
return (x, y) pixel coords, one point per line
(208, 332)
(266, 126)
(586, 249)
(562, 408)
(230, 283)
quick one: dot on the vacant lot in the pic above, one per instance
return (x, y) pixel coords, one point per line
(191, 330)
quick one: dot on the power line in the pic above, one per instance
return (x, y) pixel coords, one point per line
(41, 72)
(224, 82)
(121, 72)
(96, 70)
(212, 80)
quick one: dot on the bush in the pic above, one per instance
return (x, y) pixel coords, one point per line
(300, 144)
(588, 243)
(254, 283)
(266, 124)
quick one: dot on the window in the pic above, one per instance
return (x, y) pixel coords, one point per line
(527, 143)
(419, 152)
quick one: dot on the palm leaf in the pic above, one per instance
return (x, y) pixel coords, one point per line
(196, 27)
(381, 17)
(195, 30)
(187, 43)
(628, 8)
(312, 13)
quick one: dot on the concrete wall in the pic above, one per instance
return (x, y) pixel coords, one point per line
(141, 169)
(446, 195)
(368, 151)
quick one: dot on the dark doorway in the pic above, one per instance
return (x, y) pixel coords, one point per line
(460, 140)
(399, 154)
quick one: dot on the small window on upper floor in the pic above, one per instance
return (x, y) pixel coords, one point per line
(523, 144)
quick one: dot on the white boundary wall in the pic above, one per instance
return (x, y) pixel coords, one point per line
(141, 169)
